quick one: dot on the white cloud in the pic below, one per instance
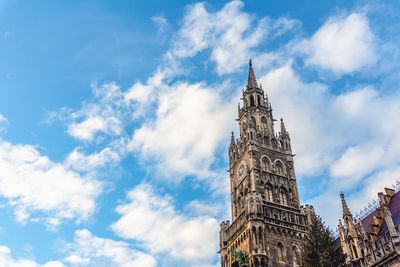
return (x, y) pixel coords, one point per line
(230, 34)
(163, 230)
(2, 118)
(342, 44)
(102, 116)
(79, 161)
(141, 96)
(90, 250)
(7, 261)
(358, 161)
(33, 183)
(191, 121)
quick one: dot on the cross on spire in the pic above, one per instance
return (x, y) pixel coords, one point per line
(251, 81)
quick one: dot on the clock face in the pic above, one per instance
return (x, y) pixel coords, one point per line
(241, 170)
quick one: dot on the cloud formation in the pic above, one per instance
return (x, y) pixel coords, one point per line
(90, 250)
(190, 122)
(7, 260)
(343, 45)
(33, 183)
(229, 33)
(161, 229)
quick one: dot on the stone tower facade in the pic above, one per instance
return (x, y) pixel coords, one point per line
(268, 223)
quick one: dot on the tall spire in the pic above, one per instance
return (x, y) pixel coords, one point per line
(251, 82)
(346, 211)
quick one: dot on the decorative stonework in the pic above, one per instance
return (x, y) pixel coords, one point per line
(374, 239)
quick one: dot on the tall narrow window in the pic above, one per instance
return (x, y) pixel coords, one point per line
(280, 252)
(294, 256)
(263, 125)
(279, 169)
(282, 197)
(265, 164)
(269, 194)
(251, 100)
(258, 100)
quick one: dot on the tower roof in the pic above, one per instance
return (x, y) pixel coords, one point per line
(251, 81)
(346, 211)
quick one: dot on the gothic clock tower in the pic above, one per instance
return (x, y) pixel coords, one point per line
(268, 223)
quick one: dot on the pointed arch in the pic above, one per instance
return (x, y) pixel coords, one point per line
(279, 254)
(251, 100)
(280, 168)
(265, 163)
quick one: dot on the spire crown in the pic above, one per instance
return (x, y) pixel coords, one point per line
(251, 81)
(346, 211)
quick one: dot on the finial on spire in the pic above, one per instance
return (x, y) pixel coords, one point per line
(346, 211)
(232, 139)
(251, 81)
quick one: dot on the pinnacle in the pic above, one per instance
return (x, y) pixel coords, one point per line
(346, 211)
(232, 140)
(251, 82)
(283, 128)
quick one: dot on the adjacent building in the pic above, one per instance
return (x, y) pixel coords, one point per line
(268, 224)
(374, 239)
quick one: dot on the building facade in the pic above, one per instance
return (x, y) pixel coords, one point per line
(268, 224)
(374, 239)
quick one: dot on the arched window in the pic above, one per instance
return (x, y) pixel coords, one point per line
(258, 100)
(265, 164)
(280, 252)
(294, 256)
(279, 168)
(263, 125)
(251, 100)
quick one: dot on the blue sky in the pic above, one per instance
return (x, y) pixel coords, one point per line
(115, 119)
